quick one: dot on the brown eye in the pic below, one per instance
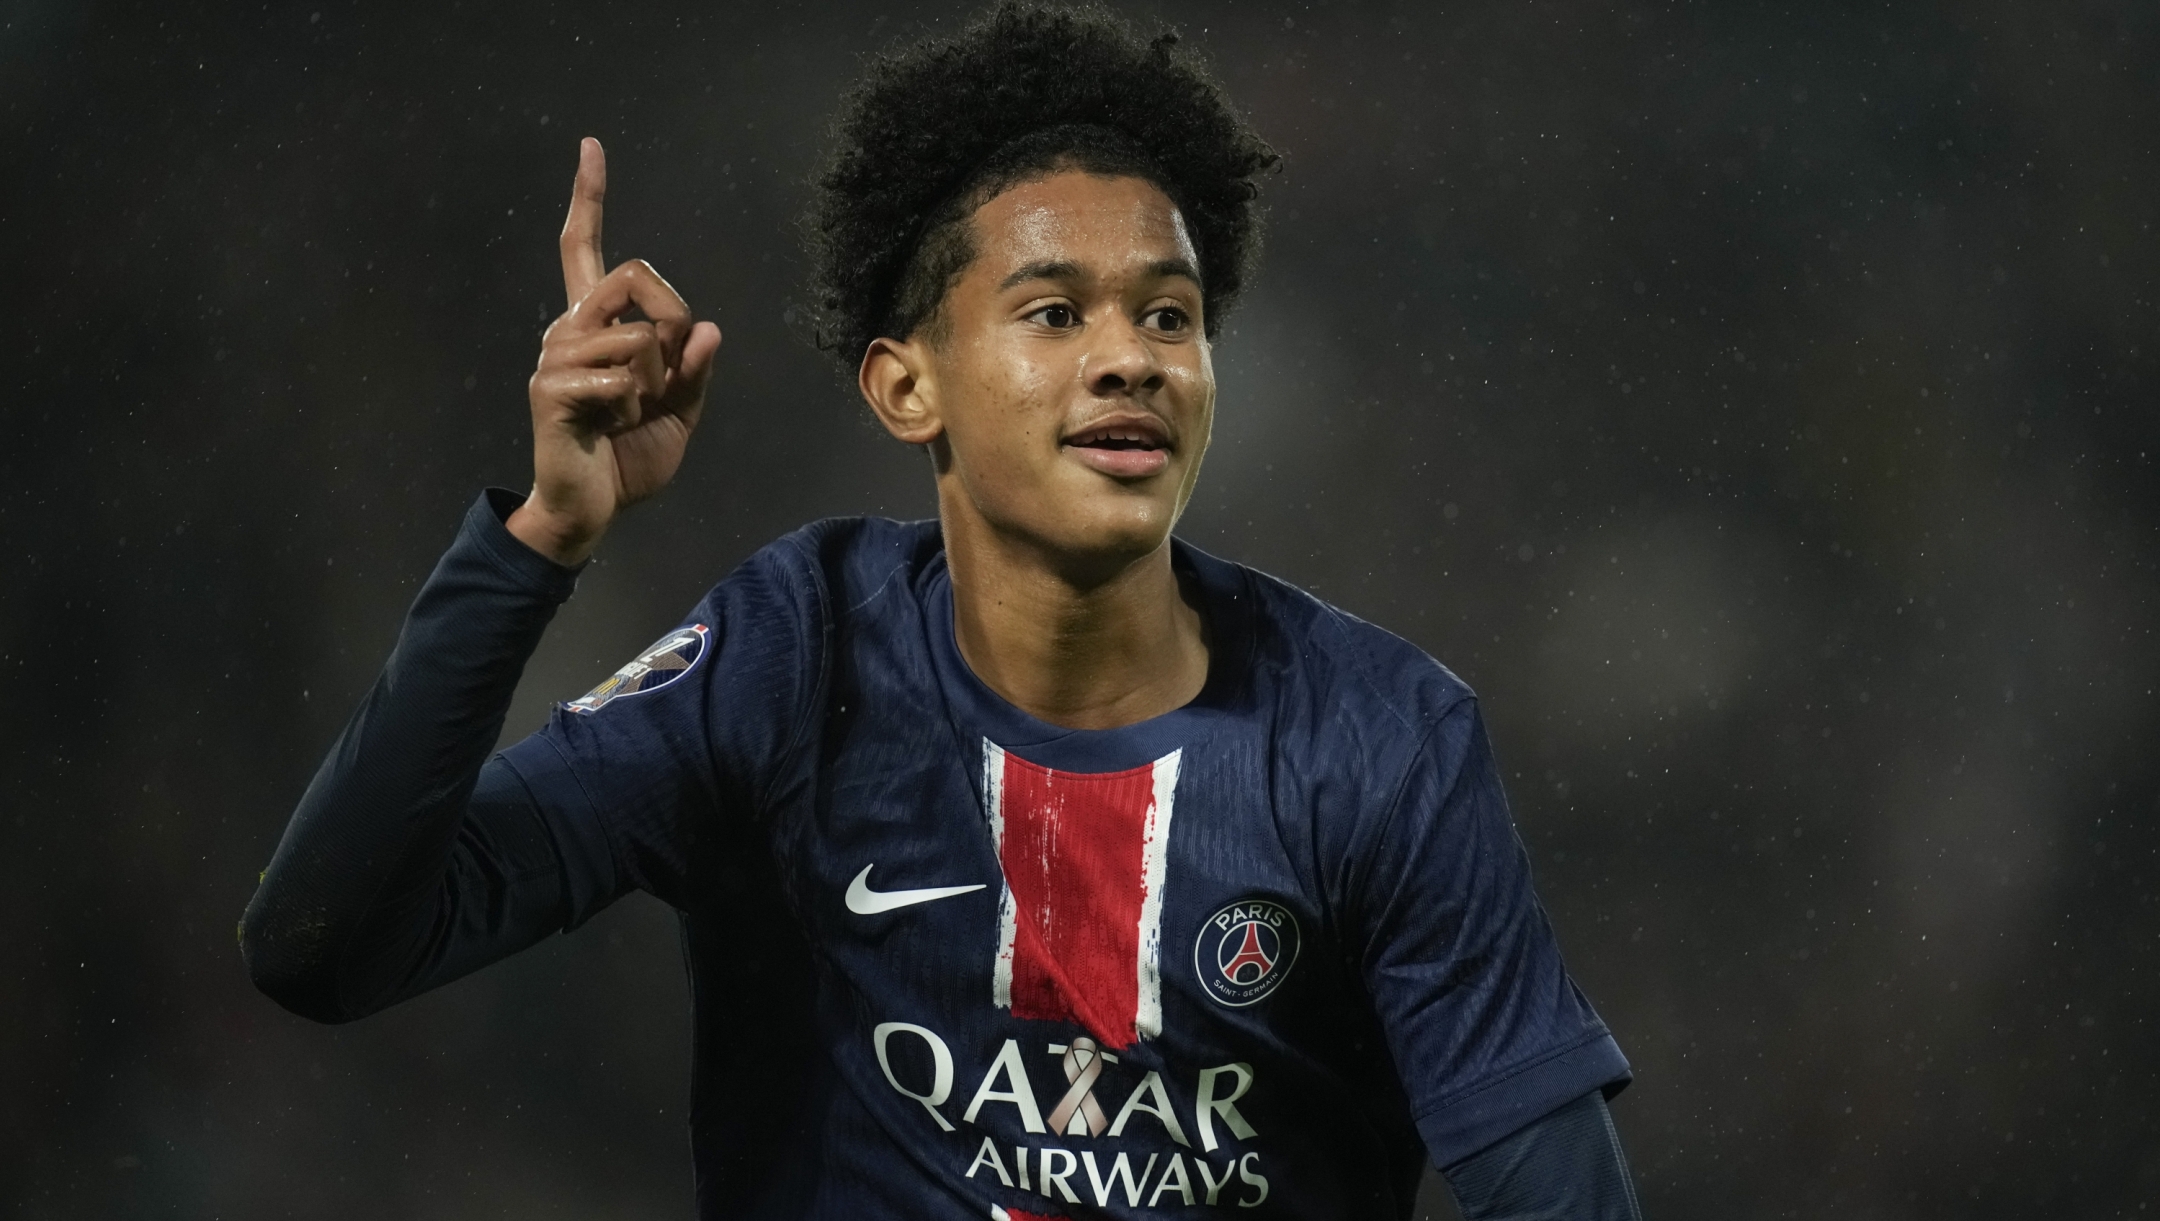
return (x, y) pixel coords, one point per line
(1168, 319)
(1056, 317)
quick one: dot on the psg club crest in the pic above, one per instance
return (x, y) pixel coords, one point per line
(1245, 950)
(667, 660)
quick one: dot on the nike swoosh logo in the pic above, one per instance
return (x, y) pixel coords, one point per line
(864, 901)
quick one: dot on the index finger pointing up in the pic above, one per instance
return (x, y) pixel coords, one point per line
(582, 265)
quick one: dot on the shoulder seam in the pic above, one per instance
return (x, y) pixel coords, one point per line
(601, 814)
(1402, 783)
(1360, 664)
(819, 640)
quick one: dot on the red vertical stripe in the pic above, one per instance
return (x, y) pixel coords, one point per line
(1072, 855)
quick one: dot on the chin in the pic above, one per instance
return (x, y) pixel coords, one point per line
(1094, 533)
(1119, 533)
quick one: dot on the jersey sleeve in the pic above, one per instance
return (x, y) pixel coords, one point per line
(676, 752)
(1487, 1029)
(410, 859)
(1567, 1164)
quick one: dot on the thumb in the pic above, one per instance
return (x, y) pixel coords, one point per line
(692, 375)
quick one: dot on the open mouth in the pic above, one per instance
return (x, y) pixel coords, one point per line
(1119, 437)
(1123, 449)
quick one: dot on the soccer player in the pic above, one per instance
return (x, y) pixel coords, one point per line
(1031, 862)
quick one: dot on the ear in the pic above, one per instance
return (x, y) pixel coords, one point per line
(898, 382)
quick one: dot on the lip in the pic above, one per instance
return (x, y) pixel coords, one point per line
(1145, 450)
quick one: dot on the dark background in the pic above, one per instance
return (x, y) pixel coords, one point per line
(1755, 403)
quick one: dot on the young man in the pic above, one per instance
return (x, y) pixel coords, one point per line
(1031, 863)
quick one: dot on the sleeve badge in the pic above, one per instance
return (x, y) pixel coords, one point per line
(671, 657)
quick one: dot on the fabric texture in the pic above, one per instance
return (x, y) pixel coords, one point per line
(1269, 952)
(406, 864)
(1567, 1166)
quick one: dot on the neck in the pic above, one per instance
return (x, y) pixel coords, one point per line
(1072, 644)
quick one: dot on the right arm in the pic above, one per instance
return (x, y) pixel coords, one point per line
(411, 859)
(407, 862)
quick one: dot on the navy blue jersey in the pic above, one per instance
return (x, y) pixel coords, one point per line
(1265, 953)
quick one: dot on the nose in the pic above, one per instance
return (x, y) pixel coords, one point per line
(1121, 361)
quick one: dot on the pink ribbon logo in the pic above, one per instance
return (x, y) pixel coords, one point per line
(1077, 1113)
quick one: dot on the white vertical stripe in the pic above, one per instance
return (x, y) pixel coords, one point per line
(1154, 865)
(1008, 916)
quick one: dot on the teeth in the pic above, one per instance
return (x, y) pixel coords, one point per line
(1097, 436)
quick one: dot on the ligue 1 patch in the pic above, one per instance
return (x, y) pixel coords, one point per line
(1245, 950)
(669, 659)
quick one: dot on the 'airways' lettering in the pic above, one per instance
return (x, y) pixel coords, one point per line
(1056, 1169)
(1119, 1169)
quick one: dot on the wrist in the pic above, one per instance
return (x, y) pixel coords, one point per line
(559, 537)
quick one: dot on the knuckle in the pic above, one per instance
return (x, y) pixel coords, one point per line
(558, 385)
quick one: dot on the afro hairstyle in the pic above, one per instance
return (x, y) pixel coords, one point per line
(937, 128)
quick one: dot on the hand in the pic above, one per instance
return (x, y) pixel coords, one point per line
(613, 402)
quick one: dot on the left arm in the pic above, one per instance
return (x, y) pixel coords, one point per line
(1503, 1061)
(1567, 1166)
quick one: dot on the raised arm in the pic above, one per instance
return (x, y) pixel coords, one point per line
(412, 859)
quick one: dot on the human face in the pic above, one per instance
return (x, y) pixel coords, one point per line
(1068, 391)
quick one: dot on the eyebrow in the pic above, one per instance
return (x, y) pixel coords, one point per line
(1067, 270)
(1040, 271)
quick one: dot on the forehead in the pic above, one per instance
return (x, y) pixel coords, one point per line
(1105, 226)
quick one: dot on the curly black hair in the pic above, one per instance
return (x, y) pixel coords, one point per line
(937, 128)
